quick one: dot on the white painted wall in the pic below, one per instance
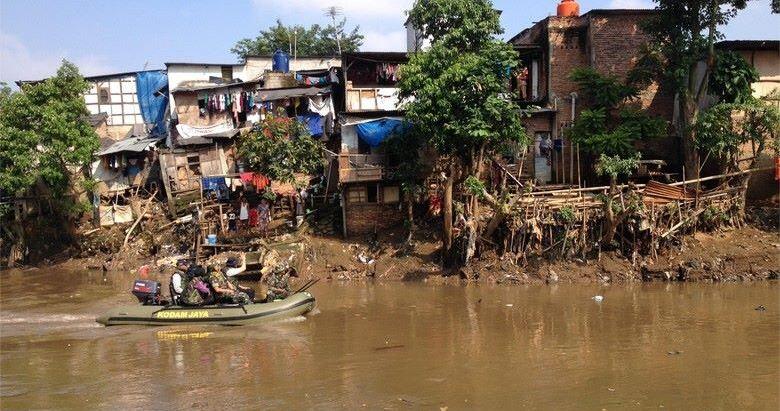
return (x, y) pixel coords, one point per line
(349, 139)
(122, 105)
(255, 66)
(251, 70)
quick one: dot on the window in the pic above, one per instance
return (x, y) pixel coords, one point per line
(356, 195)
(372, 193)
(227, 72)
(104, 95)
(390, 194)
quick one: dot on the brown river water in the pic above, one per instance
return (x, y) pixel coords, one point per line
(400, 346)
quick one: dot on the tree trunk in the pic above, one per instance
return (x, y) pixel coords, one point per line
(409, 216)
(478, 176)
(447, 209)
(610, 221)
(689, 110)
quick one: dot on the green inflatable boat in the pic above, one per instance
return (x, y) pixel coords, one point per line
(297, 304)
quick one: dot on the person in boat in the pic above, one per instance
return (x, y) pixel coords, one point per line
(278, 283)
(232, 269)
(197, 291)
(225, 290)
(178, 280)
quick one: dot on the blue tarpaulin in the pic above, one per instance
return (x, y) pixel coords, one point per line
(152, 90)
(313, 123)
(375, 132)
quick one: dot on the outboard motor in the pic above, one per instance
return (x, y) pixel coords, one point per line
(147, 292)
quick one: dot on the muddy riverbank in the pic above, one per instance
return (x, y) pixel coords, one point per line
(751, 253)
(400, 345)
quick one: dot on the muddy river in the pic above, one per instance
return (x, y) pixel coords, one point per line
(400, 346)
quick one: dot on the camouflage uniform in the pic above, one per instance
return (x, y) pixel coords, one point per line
(191, 295)
(279, 279)
(219, 280)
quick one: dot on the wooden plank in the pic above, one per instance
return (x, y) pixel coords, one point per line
(167, 185)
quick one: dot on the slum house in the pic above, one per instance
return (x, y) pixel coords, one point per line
(372, 113)
(210, 111)
(128, 112)
(608, 40)
(764, 56)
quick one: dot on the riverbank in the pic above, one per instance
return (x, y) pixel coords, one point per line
(751, 253)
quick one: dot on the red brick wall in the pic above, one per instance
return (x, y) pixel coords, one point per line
(364, 218)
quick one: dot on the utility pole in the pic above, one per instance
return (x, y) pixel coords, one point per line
(332, 12)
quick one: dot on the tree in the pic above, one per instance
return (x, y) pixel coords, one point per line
(405, 149)
(684, 33)
(724, 129)
(456, 90)
(610, 125)
(45, 136)
(280, 149)
(5, 93)
(732, 78)
(312, 40)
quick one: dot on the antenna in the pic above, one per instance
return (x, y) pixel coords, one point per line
(332, 12)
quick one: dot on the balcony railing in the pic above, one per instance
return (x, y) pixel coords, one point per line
(355, 168)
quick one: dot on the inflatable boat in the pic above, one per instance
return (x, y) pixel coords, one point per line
(297, 304)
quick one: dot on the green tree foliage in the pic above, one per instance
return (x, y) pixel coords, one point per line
(610, 126)
(5, 93)
(44, 133)
(457, 90)
(732, 78)
(684, 33)
(458, 85)
(281, 148)
(312, 40)
(726, 128)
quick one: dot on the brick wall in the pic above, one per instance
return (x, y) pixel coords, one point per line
(364, 218)
(610, 42)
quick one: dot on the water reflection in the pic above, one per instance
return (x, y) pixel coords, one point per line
(392, 345)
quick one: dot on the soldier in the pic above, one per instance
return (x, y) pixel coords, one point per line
(226, 291)
(178, 280)
(196, 293)
(278, 283)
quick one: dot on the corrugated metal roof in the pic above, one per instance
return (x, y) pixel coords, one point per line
(772, 45)
(132, 144)
(213, 86)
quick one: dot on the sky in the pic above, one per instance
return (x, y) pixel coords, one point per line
(110, 36)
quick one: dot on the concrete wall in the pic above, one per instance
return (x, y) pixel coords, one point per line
(256, 66)
(767, 63)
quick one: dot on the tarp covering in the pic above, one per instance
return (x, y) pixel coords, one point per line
(152, 89)
(375, 132)
(189, 135)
